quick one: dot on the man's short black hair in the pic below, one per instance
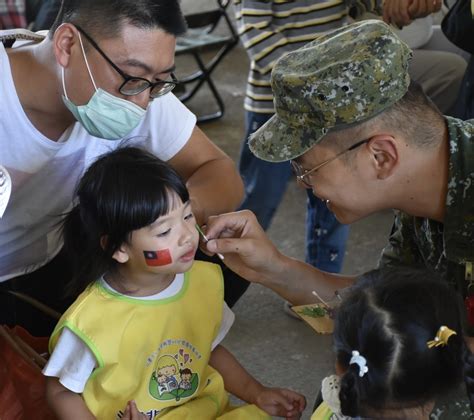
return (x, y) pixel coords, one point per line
(105, 18)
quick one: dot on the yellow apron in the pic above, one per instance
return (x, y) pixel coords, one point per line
(155, 352)
(324, 412)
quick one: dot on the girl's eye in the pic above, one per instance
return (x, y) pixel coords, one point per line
(189, 216)
(164, 233)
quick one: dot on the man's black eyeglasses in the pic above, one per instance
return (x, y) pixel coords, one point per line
(135, 85)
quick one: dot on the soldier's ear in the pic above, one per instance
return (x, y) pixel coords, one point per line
(384, 153)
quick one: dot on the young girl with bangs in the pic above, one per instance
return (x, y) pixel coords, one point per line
(142, 341)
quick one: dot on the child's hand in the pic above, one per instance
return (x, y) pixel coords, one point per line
(281, 402)
(131, 412)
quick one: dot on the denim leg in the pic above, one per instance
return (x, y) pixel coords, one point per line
(264, 182)
(325, 236)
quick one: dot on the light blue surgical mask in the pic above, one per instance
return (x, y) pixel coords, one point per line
(105, 115)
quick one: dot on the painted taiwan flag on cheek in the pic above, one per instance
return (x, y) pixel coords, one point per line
(157, 258)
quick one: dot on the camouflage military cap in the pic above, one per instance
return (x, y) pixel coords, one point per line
(344, 77)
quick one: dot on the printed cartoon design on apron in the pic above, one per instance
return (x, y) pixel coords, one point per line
(174, 376)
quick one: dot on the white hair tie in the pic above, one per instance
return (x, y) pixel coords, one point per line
(361, 361)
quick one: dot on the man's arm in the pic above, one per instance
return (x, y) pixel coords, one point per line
(251, 254)
(402, 12)
(397, 12)
(295, 281)
(214, 184)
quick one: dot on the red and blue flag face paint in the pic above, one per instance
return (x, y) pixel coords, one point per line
(157, 258)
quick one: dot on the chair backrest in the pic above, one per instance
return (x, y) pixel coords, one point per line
(211, 18)
(203, 35)
(198, 20)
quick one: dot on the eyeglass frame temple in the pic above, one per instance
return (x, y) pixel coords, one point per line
(127, 77)
(354, 146)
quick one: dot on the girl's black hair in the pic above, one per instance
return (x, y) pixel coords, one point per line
(122, 191)
(389, 321)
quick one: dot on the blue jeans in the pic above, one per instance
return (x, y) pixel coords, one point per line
(325, 237)
(265, 184)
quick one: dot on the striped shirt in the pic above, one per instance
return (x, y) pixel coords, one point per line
(268, 29)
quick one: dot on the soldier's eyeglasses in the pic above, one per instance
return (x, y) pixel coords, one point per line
(135, 85)
(303, 175)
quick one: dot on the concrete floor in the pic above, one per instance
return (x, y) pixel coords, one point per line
(277, 349)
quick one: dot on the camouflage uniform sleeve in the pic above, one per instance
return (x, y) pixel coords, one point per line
(401, 249)
(357, 8)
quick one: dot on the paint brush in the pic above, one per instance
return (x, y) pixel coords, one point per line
(314, 293)
(207, 240)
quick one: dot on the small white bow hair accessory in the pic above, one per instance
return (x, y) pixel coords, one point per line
(361, 361)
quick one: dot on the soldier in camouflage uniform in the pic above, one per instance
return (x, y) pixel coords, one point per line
(363, 88)
(346, 101)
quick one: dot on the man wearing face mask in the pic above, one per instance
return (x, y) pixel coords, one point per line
(100, 79)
